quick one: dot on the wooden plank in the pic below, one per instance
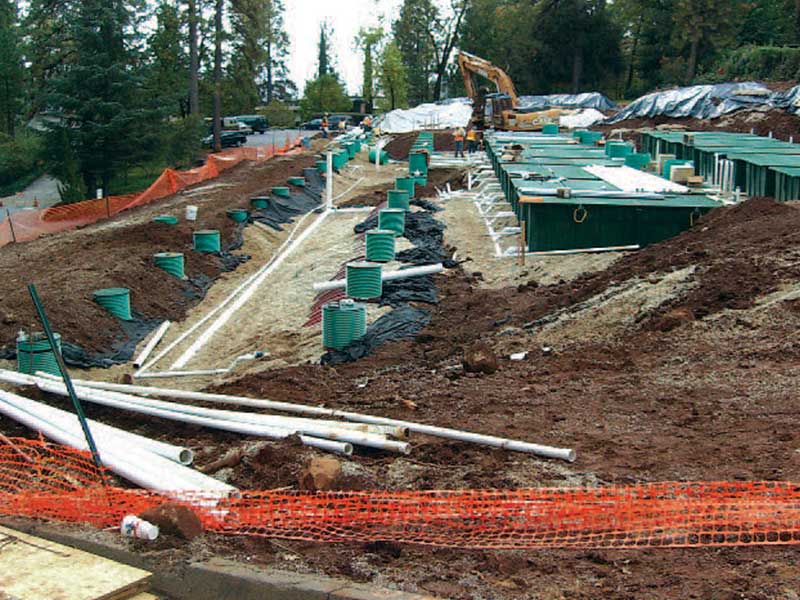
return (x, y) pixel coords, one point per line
(32, 568)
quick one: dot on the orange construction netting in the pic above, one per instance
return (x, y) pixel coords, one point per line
(52, 482)
(30, 224)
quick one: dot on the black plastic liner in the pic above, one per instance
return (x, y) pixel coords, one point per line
(402, 323)
(280, 211)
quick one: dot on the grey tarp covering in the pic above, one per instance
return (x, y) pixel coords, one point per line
(594, 100)
(698, 101)
(789, 100)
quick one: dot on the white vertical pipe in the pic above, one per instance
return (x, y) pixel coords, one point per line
(329, 180)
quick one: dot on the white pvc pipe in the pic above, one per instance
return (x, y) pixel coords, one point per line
(579, 251)
(145, 469)
(454, 434)
(69, 422)
(140, 360)
(390, 276)
(240, 301)
(246, 423)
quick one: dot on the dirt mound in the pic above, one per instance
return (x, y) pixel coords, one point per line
(400, 147)
(781, 124)
(68, 267)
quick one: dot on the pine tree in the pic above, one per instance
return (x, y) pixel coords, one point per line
(100, 95)
(168, 62)
(393, 78)
(194, 64)
(324, 52)
(367, 40)
(276, 83)
(11, 74)
(412, 34)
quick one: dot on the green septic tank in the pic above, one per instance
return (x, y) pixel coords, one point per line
(171, 262)
(340, 159)
(297, 181)
(322, 165)
(380, 245)
(398, 199)
(237, 215)
(616, 149)
(407, 184)
(393, 219)
(343, 323)
(550, 129)
(281, 191)
(259, 202)
(34, 354)
(418, 164)
(373, 153)
(206, 240)
(364, 280)
(357, 145)
(351, 150)
(589, 137)
(638, 160)
(166, 219)
(117, 301)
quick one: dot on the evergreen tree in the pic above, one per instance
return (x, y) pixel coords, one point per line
(412, 34)
(99, 95)
(11, 74)
(194, 59)
(324, 52)
(168, 63)
(275, 79)
(367, 40)
(324, 94)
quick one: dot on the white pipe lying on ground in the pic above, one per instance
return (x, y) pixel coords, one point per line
(245, 296)
(69, 422)
(140, 360)
(143, 468)
(390, 276)
(576, 251)
(246, 423)
(442, 432)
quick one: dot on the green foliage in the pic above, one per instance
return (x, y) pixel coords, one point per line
(368, 40)
(324, 51)
(11, 73)
(20, 157)
(63, 164)
(278, 114)
(757, 62)
(168, 66)
(414, 39)
(324, 94)
(393, 79)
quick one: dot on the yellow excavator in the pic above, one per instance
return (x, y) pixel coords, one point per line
(504, 113)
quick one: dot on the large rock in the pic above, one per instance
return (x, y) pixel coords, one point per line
(480, 358)
(320, 475)
(174, 519)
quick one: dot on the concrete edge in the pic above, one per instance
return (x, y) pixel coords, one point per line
(223, 579)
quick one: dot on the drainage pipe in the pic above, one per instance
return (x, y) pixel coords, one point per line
(247, 282)
(157, 336)
(390, 276)
(143, 468)
(442, 432)
(240, 301)
(246, 423)
(578, 251)
(68, 422)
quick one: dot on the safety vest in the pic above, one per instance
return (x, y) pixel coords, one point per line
(471, 135)
(458, 135)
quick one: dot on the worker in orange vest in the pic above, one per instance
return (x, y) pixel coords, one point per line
(366, 124)
(472, 141)
(325, 125)
(458, 136)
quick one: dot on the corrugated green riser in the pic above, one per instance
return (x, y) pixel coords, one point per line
(364, 283)
(394, 221)
(117, 301)
(341, 327)
(171, 263)
(551, 226)
(207, 242)
(380, 247)
(33, 356)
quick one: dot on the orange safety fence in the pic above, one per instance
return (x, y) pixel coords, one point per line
(44, 481)
(30, 224)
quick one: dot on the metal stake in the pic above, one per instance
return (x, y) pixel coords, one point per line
(11, 225)
(65, 375)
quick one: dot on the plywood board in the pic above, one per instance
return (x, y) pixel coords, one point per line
(32, 569)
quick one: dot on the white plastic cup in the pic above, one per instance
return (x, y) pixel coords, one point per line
(191, 213)
(133, 526)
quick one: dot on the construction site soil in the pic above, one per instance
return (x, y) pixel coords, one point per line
(438, 179)
(400, 146)
(118, 252)
(780, 123)
(701, 385)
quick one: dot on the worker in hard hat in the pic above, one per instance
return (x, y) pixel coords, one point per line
(342, 125)
(458, 137)
(366, 124)
(472, 140)
(325, 125)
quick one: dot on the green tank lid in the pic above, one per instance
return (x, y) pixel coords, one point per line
(238, 215)
(117, 301)
(166, 219)
(206, 240)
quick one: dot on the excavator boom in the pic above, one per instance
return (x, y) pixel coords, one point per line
(469, 64)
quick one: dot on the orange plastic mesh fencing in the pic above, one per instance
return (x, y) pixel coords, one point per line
(30, 224)
(52, 482)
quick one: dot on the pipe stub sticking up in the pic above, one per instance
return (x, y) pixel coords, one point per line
(171, 262)
(380, 244)
(364, 280)
(393, 219)
(117, 301)
(281, 191)
(166, 219)
(259, 202)
(206, 240)
(237, 215)
(34, 354)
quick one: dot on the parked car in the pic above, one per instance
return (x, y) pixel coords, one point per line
(229, 139)
(313, 124)
(257, 123)
(334, 121)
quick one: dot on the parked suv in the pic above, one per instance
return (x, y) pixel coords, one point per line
(257, 123)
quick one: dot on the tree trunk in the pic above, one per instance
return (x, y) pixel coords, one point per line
(691, 68)
(577, 69)
(368, 78)
(270, 92)
(194, 95)
(634, 48)
(218, 76)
